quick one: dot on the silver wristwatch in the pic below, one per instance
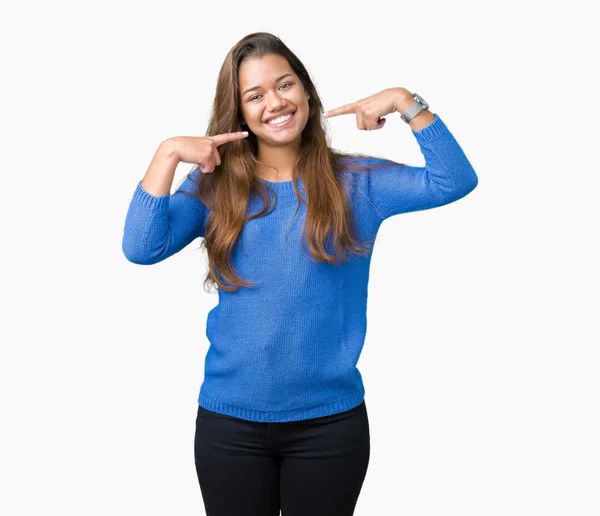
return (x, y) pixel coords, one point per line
(419, 105)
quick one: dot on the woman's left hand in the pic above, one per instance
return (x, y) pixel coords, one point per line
(370, 110)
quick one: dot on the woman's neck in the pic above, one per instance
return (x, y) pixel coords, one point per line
(277, 163)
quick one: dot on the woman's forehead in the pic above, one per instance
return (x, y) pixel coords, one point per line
(267, 69)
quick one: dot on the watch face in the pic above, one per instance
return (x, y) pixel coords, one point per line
(421, 100)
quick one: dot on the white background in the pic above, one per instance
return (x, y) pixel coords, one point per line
(481, 360)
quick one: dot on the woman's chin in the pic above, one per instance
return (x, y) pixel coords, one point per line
(280, 138)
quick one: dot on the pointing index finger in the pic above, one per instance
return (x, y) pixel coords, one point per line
(220, 139)
(343, 110)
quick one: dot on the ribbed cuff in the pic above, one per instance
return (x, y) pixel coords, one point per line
(147, 200)
(431, 131)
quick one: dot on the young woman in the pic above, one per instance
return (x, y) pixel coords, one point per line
(288, 224)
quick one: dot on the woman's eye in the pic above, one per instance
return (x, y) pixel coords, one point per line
(284, 84)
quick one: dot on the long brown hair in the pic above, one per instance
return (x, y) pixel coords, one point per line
(227, 189)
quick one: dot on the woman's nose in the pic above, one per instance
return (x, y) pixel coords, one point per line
(275, 102)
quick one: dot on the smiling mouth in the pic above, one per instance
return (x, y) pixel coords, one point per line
(285, 122)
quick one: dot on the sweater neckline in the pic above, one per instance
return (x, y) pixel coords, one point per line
(283, 188)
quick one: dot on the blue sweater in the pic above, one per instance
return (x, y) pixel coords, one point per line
(287, 349)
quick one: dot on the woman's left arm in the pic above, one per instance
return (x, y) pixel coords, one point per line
(447, 175)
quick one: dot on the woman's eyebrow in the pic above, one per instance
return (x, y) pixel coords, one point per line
(258, 87)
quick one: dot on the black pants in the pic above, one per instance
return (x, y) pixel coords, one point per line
(314, 467)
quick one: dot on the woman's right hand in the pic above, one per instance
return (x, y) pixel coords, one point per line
(202, 150)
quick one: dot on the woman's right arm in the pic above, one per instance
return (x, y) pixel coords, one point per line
(158, 224)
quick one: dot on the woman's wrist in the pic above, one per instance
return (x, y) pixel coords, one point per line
(404, 102)
(169, 148)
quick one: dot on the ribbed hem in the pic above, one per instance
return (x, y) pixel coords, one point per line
(152, 202)
(285, 416)
(431, 131)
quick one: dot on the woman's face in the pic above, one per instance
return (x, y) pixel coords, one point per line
(275, 91)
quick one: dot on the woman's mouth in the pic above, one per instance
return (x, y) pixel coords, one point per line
(276, 123)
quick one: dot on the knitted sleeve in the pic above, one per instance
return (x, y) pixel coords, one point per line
(157, 227)
(446, 177)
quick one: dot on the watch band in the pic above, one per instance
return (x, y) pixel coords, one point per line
(418, 106)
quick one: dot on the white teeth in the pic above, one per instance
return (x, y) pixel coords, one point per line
(280, 119)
